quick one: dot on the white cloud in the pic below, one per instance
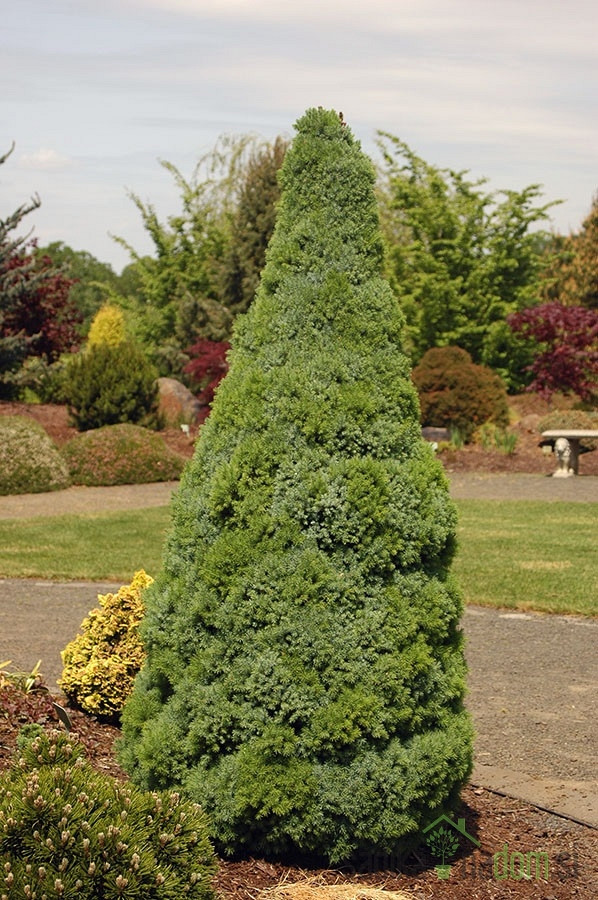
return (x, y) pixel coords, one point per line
(45, 159)
(506, 88)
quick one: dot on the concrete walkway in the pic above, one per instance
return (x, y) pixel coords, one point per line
(464, 486)
(483, 486)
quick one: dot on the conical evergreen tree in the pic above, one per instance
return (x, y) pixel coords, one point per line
(305, 674)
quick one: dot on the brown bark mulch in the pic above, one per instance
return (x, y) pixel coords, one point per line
(523, 851)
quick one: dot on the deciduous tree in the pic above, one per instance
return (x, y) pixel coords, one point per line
(565, 347)
(570, 273)
(92, 280)
(461, 258)
(37, 317)
(252, 226)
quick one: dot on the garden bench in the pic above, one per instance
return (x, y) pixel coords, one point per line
(565, 443)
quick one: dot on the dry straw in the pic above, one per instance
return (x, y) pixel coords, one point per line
(315, 889)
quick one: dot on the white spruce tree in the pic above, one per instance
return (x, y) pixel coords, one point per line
(305, 676)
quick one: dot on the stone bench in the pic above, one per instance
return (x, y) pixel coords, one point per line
(565, 443)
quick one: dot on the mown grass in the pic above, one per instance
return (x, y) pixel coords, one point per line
(519, 555)
(101, 547)
(529, 555)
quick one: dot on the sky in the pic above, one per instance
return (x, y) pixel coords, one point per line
(96, 92)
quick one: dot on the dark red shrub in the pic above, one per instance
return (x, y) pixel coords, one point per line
(454, 392)
(207, 368)
(44, 314)
(567, 348)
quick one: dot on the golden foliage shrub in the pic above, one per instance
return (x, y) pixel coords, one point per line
(101, 663)
(108, 327)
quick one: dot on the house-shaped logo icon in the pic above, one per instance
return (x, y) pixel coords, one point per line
(442, 837)
(459, 826)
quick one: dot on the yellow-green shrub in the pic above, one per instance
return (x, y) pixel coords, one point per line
(101, 663)
(108, 327)
(30, 462)
(574, 419)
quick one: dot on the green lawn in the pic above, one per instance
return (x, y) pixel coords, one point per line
(520, 554)
(529, 555)
(102, 547)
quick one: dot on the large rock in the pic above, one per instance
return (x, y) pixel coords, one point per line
(176, 403)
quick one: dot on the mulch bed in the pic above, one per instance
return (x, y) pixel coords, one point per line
(502, 825)
(527, 458)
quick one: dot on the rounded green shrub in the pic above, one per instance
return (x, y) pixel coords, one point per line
(454, 392)
(101, 663)
(69, 831)
(121, 454)
(112, 383)
(576, 419)
(304, 677)
(30, 462)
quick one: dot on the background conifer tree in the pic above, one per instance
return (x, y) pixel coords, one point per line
(305, 674)
(252, 227)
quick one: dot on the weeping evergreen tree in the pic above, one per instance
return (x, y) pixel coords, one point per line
(305, 675)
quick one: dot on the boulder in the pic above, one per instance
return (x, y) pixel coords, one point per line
(177, 404)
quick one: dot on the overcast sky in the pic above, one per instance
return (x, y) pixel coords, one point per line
(95, 92)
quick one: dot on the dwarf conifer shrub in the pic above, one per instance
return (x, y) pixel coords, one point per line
(112, 383)
(304, 677)
(101, 663)
(107, 327)
(455, 392)
(121, 454)
(69, 831)
(30, 462)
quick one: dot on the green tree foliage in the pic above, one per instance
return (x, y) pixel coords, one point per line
(586, 257)
(570, 275)
(305, 673)
(252, 226)
(177, 300)
(92, 280)
(206, 258)
(460, 259)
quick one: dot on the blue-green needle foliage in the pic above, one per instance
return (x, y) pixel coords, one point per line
(305, 676)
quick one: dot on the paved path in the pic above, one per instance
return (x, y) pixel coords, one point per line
(533, 685)
(80, 499)
(464, 486)
(482, 486)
